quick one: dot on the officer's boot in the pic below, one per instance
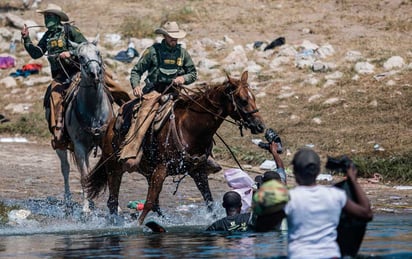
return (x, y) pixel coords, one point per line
(59, 141)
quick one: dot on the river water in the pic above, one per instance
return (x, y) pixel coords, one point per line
(55, 236)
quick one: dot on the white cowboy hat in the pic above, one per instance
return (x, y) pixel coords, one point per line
(55, 9)
(171, 29)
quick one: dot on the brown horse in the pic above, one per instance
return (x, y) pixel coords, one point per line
(182, 145)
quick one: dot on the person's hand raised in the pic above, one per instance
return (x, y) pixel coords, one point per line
(24, 31)
(352, 172)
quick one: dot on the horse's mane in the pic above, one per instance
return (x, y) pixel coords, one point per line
(189, 95)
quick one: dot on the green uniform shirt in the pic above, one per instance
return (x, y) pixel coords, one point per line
(171, 62)
(55, 42)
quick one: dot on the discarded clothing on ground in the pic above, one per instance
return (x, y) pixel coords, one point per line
(278, 42)
(3, 119)
(275, 43)
(32, 67)
(126, 56)
(28, 69)
(7, 62)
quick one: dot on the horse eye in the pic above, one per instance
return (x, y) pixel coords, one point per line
(243, 102)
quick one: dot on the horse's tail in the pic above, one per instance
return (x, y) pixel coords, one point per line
(97, 179)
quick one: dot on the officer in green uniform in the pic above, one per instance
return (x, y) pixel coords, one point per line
(55, 44)
(165, 62)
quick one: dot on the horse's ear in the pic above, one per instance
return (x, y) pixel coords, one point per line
(74, 44)
(229, 79)
(96, 40)
(244, 77)
(227, 75)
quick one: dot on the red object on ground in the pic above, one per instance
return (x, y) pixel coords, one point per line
(31, 67)
(140, 206)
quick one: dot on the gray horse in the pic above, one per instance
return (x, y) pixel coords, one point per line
(86, 117)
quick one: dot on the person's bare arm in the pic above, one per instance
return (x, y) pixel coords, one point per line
(362, 209)
(273, 147)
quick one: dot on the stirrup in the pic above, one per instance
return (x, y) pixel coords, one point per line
(58, 132)
(59, 144)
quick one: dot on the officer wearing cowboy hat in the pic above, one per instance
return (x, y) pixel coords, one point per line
(165, 62)
(55, 43)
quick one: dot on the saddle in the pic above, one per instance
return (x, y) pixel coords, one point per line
(133, 123)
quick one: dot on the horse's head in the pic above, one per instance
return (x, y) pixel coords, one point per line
(90, 60)
(242, 106)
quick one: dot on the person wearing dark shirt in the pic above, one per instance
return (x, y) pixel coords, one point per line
(234, 220)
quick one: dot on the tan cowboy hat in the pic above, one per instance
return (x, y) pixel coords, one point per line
(55, 9)
(171, 29)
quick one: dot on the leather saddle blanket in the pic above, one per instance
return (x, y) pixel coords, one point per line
(133, 122)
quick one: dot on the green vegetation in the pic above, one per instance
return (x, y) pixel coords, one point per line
(4, 210)
(183, 15)
(396, 168)
(33, 124)
(137, 27)
(143, 27)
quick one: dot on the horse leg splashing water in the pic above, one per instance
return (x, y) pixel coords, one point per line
(86, 116)
(182, 145)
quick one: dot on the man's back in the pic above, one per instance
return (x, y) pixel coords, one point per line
(236, 223)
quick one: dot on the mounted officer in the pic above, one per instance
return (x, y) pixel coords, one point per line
(60, 54)
(167, 64)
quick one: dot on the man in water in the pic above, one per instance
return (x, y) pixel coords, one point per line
(234, 220)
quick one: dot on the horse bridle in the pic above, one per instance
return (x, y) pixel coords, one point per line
(238, 108)
(87, 64)
(240, 123)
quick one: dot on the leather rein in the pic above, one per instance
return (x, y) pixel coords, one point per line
(240, 123)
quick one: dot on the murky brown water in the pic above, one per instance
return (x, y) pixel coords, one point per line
(388, 236)
(31, 180)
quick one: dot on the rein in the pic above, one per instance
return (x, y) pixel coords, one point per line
(208, 110)
(230, 150)
(241, 123)
(94, 131)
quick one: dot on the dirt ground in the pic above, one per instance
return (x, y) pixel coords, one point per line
(31, 171)
(369, 111)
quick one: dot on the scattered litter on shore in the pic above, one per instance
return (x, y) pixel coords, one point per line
(14, 139)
